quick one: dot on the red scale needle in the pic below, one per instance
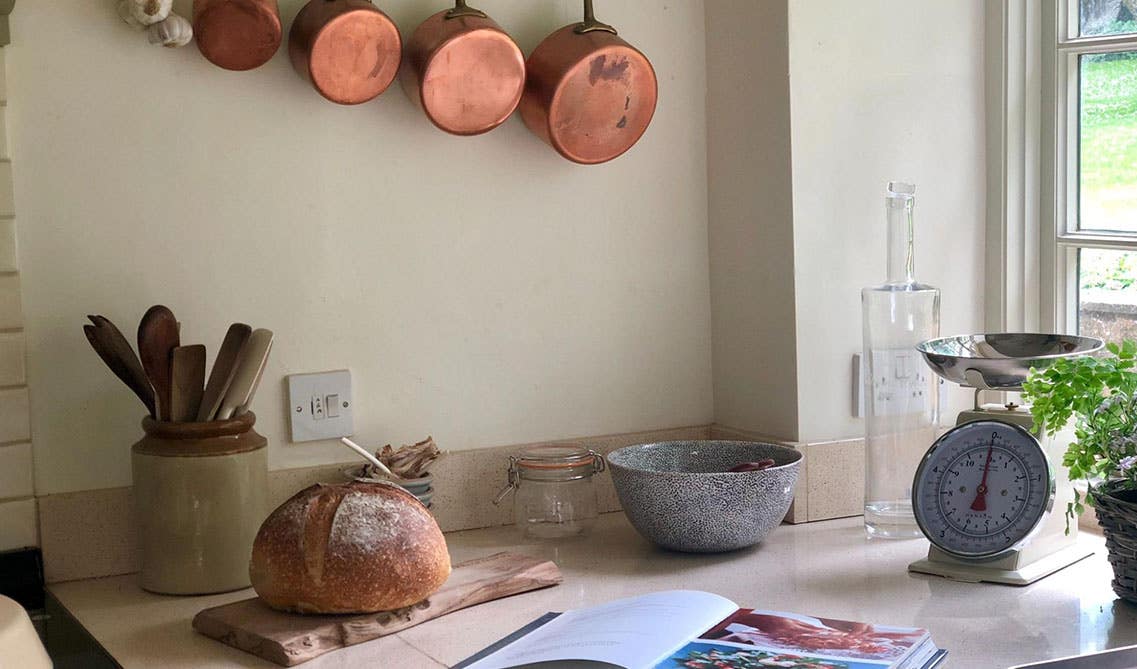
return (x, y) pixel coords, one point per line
(980, 503)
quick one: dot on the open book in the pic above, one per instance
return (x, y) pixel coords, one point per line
(685, 629)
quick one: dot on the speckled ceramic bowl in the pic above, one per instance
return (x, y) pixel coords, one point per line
(680, 495)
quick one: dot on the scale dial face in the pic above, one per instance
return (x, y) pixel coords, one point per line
(982, 489)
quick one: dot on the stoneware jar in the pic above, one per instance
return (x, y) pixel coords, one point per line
(200, 497)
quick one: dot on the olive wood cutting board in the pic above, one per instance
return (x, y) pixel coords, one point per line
(289, 639)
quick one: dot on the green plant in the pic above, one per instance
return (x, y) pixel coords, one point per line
(1100, 395)
(1107, 270)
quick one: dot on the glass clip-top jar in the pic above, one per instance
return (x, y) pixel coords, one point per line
(554, 495)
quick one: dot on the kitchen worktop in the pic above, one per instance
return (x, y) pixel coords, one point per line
(825, 568)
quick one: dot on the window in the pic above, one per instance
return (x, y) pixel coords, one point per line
(1091, 78)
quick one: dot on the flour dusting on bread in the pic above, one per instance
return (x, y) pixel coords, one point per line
(366, 521)
(348, 548)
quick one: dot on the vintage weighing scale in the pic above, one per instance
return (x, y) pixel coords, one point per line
(990, 494)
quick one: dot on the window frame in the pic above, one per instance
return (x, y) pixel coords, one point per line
(1059, 97)
(1031, 261)
(1015, 255)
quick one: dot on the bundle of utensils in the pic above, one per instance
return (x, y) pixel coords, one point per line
(169, 378)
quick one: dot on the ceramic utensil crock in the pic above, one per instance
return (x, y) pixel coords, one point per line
(200, 497)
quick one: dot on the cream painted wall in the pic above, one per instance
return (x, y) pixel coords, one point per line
(750, 217)
(480, 289)
(886, 90)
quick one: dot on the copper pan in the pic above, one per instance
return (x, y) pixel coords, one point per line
(349, 50)
(463, 71)
(237, 34)
(588, 93)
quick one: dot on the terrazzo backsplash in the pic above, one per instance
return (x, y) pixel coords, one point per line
(90, 533)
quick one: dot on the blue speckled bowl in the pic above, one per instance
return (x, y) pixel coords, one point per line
(679, 494)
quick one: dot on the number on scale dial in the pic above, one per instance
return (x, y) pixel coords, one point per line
(981, 489)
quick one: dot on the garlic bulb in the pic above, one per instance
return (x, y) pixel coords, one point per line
(142, 13)
(175, 31)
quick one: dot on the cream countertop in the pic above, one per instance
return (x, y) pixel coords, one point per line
(825, 568)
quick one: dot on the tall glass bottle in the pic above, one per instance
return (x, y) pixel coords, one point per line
(901, 394)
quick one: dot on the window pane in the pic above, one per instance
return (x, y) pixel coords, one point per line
(1107, 119)
(1107, 294)
(1107, 17)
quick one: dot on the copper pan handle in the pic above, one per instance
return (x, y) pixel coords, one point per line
(590, 23)
(460, 10)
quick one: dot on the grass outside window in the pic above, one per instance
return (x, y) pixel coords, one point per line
(1108, 142)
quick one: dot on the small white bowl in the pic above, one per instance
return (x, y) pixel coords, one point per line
(422, 487)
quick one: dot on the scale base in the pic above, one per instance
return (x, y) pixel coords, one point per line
(939, 564)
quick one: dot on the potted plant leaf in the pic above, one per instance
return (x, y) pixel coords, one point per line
(1100, 395)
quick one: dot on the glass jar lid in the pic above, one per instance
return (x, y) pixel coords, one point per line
(557, 463)
(551, 464)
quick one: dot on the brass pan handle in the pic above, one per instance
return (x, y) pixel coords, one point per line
(590, 23)
(460, 10)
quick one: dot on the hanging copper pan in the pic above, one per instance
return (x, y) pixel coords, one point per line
(588, 93)
(237, 34)
(348, 49)
(463, 71)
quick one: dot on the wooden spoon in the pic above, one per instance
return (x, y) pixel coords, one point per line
(157, 338)
(223, 369)
(252, 359)
(187, 376)
(116, 352)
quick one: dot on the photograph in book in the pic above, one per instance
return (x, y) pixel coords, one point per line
(702, 655)
(793, 633)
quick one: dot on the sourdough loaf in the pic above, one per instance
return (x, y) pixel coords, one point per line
(348, 548)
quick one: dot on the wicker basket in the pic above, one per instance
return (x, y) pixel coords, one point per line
(1118, 518)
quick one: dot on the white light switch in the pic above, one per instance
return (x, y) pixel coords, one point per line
(320, 405)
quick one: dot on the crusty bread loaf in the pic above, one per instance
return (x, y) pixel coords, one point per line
(348, 548)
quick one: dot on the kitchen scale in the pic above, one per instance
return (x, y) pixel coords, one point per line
(991, 494)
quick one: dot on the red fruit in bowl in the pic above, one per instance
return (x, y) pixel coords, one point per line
(752, 466)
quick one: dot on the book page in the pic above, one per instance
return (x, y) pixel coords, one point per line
(635, 633)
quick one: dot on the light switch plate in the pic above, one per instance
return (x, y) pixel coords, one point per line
(311, 416)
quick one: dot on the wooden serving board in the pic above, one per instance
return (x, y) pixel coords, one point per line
(289, 639)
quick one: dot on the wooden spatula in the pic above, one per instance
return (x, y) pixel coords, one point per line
(223, 369)
(157, 338)
(116, 352)
(251, 361)
(187, 376)
(244, 408)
